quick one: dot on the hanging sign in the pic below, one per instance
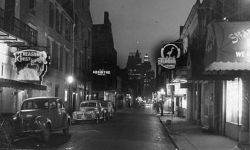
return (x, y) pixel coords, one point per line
(169, 53)
(101, 72)
(31, 65)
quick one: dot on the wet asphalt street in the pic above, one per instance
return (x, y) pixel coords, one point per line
(130, 129)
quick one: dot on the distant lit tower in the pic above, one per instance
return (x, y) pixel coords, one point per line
(147, 77)
(134, 63)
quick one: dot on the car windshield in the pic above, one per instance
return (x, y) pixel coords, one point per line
(36, 104)
(88, 104)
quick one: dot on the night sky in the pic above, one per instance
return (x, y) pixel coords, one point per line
(141, 24)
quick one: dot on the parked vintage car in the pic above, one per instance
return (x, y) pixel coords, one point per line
(41, 115)
(90, 110)
(108, 108)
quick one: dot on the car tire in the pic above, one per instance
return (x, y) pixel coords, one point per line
(66, 129)
(97, 119)
(46, 133)
(108, 116)
(104, 118)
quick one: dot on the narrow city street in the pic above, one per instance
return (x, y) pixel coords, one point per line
(130, 129)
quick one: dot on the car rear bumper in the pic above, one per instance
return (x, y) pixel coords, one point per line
(80, 117)
(19, 133)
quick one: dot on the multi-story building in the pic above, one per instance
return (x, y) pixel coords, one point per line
(134, 73)
(148, 78)
(218, 82)
(140, 75)
(14, 33)
(83, 48)
(104, 60)
(44, 26)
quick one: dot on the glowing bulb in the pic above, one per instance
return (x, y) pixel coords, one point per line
(70, 79)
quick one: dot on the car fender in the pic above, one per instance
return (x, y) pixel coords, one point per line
(97, 114)
(41, 122)
(67, 118)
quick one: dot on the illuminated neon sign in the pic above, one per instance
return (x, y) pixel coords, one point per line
(31, 65)
(169, 53)
(101, 72)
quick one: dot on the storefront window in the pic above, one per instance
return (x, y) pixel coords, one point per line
(65, 95)
(234, 101)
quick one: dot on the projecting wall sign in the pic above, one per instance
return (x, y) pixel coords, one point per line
(169, 53)
(31, 65)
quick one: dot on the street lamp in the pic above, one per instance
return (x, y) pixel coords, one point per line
(162, 93)
(70, 80)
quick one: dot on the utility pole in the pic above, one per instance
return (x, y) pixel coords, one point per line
(70, 103)
(85, 69)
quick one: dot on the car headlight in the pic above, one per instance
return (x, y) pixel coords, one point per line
(14, 117)
(92, 112)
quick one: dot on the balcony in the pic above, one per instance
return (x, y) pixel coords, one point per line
(14, 30)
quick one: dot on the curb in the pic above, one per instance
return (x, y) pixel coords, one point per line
(168, 132)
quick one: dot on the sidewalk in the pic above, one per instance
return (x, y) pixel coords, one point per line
(188, 136)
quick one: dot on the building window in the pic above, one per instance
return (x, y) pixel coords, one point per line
(61, 23)
(49, 47)
(76, 25)
(51, 15)
(75, 61)
(57, 21)
(82, 31)
(83, 4)
(81, 62)
(55, 55)
(61, 59)
(89, 37)
(56, 90)
(32, 4)
(89, 65)
(65, 95)
(67, 30)
(66, 62)
(234, 101)
(87, 4)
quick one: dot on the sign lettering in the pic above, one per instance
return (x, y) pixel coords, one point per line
(169, 53)
(31, 64)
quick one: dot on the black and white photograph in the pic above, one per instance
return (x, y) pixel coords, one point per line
(124, 75)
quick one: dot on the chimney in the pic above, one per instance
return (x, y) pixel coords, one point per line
(181, 29)
(106, 17)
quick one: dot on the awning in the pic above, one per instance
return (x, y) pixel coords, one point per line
(221, 66)
(21, 85)
(228, 46)
(10, 39)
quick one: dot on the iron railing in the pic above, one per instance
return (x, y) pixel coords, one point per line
(16, 27)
